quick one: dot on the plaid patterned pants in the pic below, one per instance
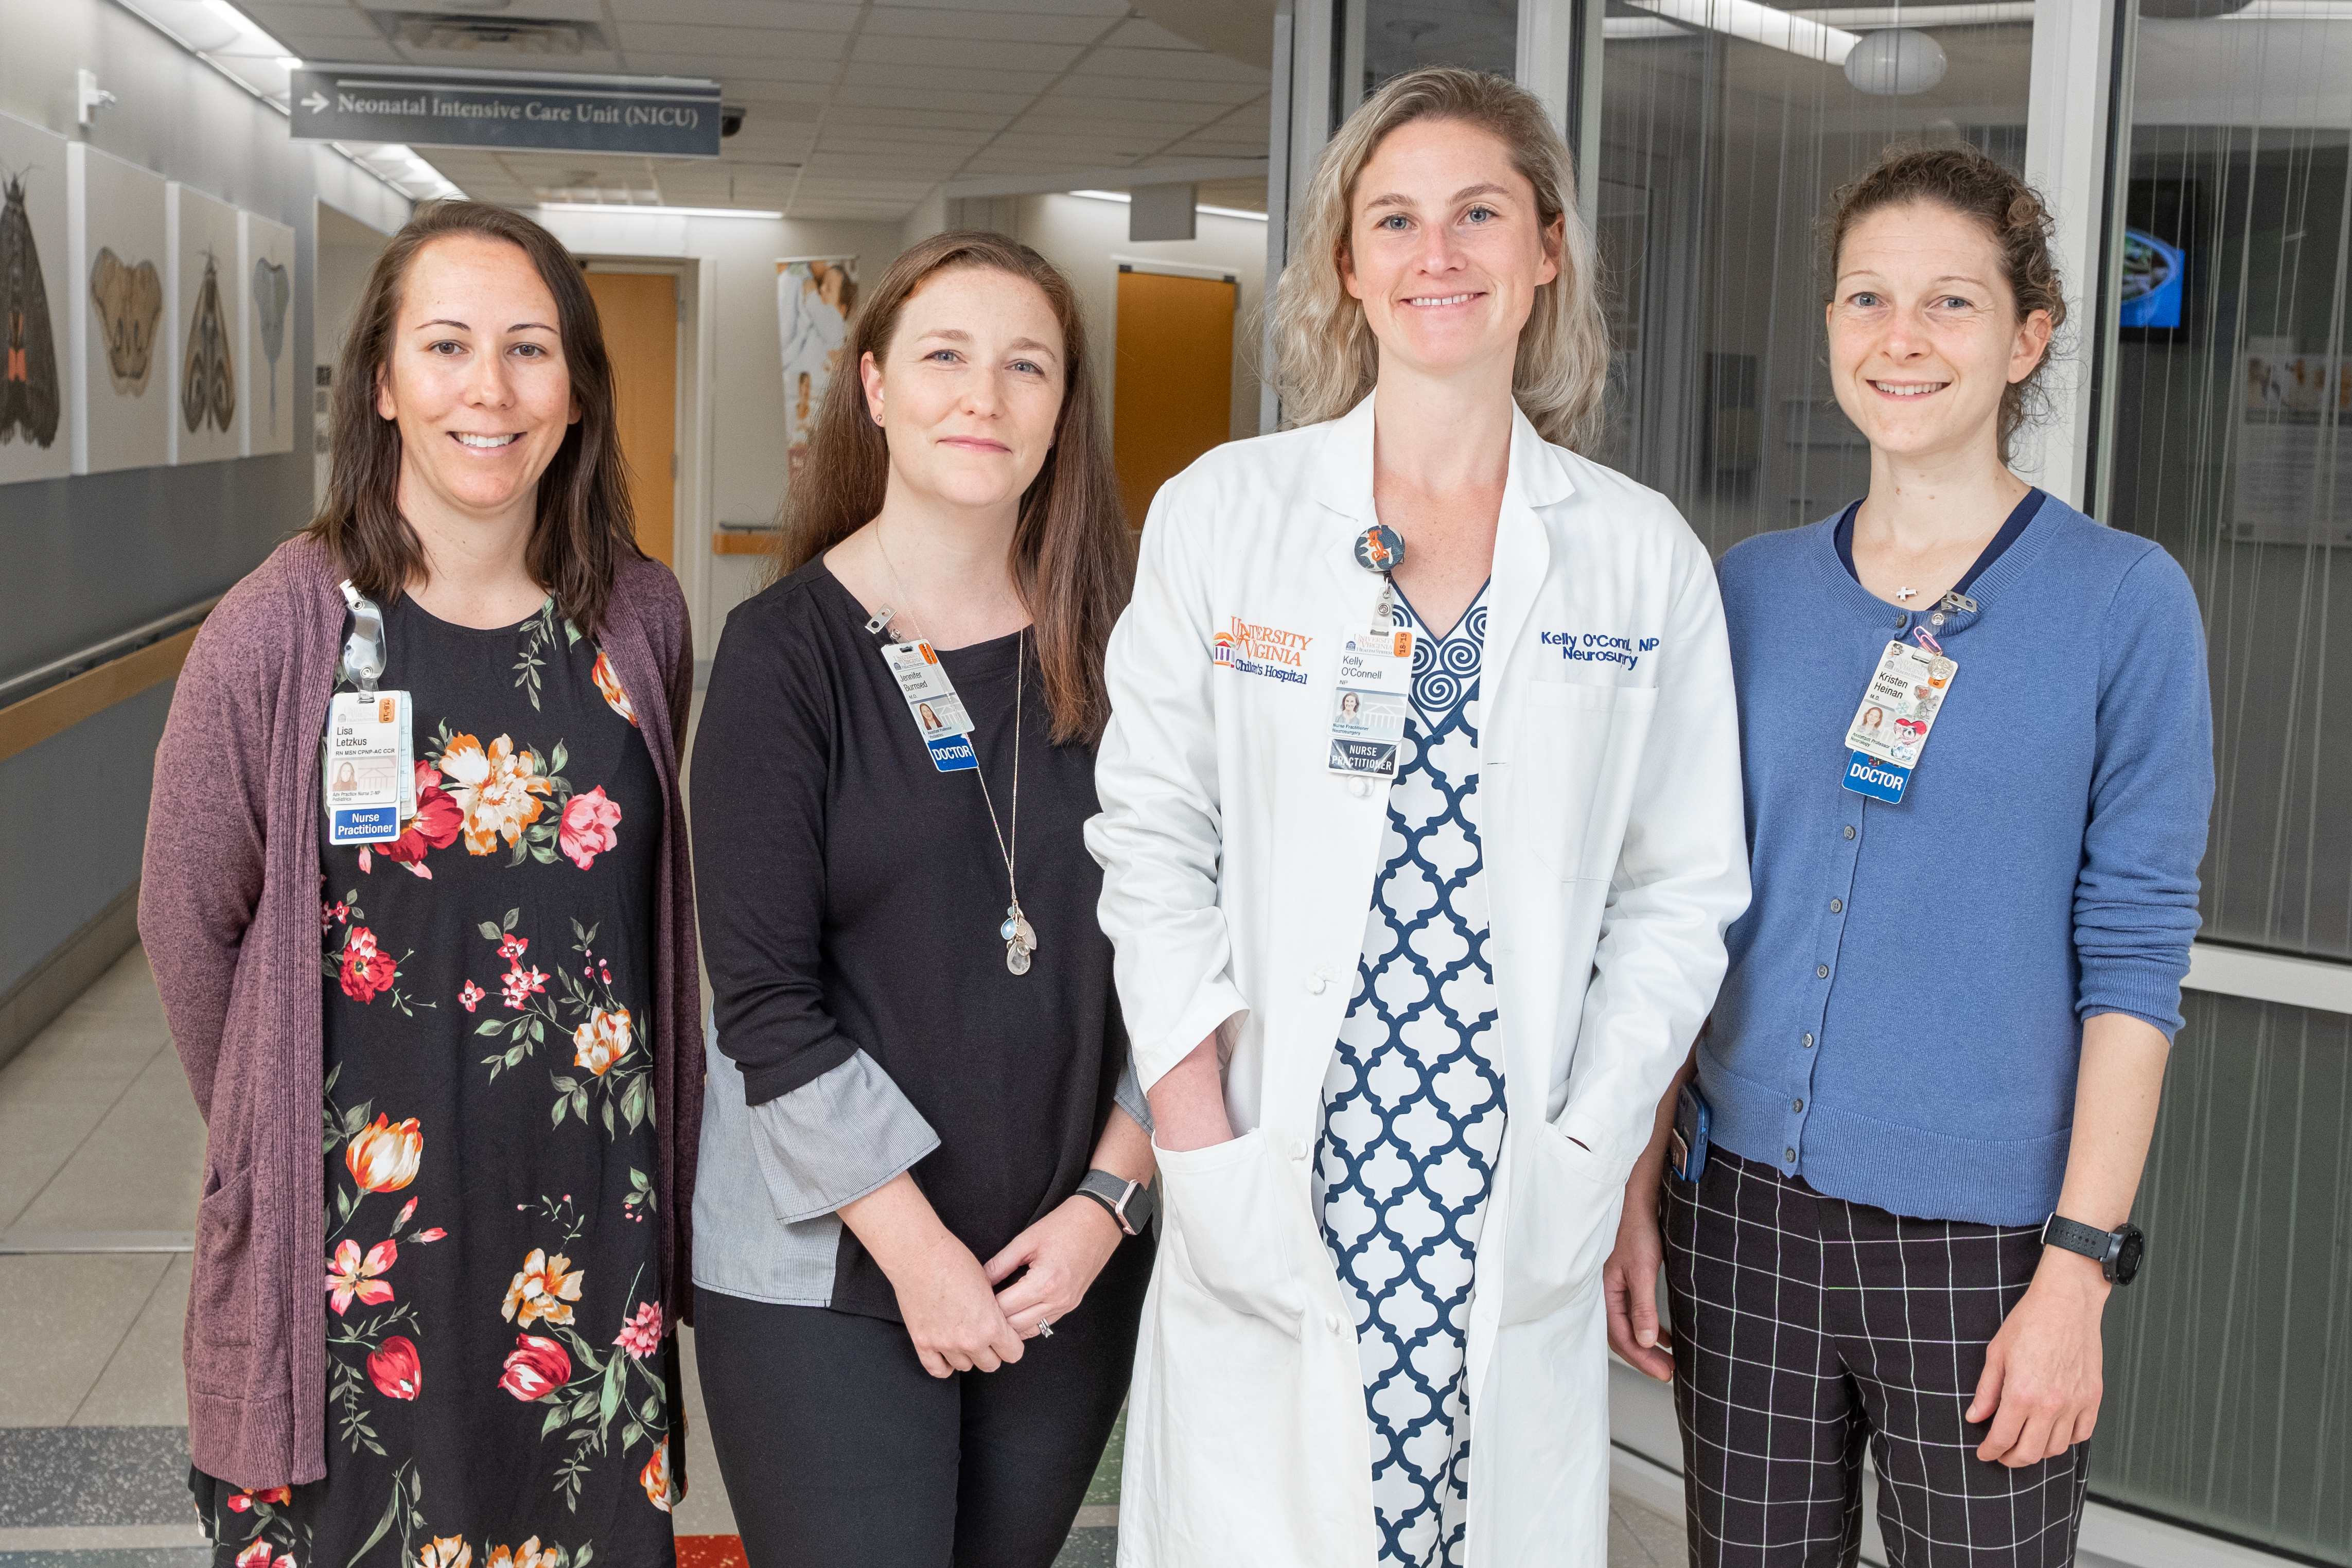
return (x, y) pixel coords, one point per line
(1807, 1328)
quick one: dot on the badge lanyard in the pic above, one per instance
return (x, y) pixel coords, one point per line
(1374, 691)
(368, 779)
(947, 730)
(1897, 711)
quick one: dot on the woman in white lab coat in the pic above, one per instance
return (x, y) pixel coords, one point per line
(1405, 976)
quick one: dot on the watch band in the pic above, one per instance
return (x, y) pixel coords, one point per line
(2097, 1245)
(1129, 1203)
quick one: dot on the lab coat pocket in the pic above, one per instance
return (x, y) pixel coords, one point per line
(1561, 1226)
(1227, 1203)
(1578, 760)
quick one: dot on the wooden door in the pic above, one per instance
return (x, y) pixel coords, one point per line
(1174, 397)
(639, 312)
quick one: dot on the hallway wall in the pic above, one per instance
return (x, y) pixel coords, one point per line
(92, 557)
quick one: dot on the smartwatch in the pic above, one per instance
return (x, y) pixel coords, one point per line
(1130, 1203)
(2118, 1252)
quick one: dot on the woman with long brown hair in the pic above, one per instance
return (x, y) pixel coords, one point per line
(438, 892)
(914, 1309)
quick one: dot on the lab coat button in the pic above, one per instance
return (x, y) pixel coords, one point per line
(1331, 1321)
(1359, 788)
(1297, 1148)
(1315, 983)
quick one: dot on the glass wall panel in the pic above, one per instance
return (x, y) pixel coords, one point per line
(1377, 39)
(1725, 127)
(2231, 403)
(2228, 1372)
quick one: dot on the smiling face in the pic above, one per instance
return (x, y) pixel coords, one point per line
(1445, 248)
(970, 388)
(475, 379)
(1924, 334)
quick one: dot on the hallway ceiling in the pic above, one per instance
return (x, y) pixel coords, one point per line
(852, 111)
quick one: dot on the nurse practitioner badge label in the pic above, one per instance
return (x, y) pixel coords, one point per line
(1368, 709)
(1891, 725)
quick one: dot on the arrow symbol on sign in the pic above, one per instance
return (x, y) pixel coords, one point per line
(316, 102)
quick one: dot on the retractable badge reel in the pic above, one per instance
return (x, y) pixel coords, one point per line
(1373, 692)
(369, 774)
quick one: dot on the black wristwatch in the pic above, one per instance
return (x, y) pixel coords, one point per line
(1131, 1202)
(2118, 1252)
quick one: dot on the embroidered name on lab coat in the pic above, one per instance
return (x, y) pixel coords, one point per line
(1599, 647)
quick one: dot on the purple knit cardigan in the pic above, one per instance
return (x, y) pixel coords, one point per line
(229, 912)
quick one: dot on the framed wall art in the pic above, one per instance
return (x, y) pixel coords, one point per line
(266, 414)
(36, 296)
(206, 328)
(117, 235)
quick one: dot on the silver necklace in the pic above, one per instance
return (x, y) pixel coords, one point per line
(1020, 937)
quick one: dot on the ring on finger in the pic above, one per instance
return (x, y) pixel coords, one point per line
(1045, 1327)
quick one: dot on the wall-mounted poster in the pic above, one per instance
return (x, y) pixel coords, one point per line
(2294, 447)
(116, 234)
(36, 294)
(206, 321)
(814, 298)
(266, 268)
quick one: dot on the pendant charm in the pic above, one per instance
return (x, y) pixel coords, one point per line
(1016, 956)
(1906, 594)
(1017, 929)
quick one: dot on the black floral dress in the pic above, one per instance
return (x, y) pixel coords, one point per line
(499, 1391)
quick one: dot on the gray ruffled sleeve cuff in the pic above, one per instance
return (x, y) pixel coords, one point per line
(1128, 1096)
(836, 1138)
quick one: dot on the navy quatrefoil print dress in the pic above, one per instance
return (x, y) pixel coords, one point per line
(1413, 1112)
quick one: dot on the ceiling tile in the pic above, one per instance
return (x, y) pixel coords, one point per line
(892, 93)
(978, 60)
(1138, 34)
(761, 13)
(1007, 27)
(752, 43)
(1105, 8)
(921, 82)
(1197, 65)
(291, 26)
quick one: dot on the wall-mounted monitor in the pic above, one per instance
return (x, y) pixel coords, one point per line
(2160, 262)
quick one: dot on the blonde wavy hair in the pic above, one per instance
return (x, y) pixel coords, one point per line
(1326, 358)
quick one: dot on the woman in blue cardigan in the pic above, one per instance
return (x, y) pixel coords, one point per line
(1977, 751)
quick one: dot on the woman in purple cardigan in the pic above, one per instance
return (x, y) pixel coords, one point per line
(417, 865)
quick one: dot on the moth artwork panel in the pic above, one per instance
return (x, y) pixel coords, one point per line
(266, 272)
(206, 337)
(35, 299)
(121, 386)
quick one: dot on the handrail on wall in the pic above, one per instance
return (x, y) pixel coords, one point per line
(59, 695)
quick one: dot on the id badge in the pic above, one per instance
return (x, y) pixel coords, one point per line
(1368, 707)
(932, 703)
(1892, 723)
(369, 781)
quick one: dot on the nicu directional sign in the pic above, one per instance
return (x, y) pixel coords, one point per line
(660, 117)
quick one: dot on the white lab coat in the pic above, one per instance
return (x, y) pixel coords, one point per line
(1238, 875)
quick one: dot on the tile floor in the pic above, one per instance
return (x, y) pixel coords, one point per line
(100, 1157)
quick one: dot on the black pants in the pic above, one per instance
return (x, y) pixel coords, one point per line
(838, 1448)
(1807, 1329)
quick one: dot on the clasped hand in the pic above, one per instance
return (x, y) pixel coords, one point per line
(958, 1318)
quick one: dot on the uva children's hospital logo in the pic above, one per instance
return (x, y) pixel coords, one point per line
(1258, 650)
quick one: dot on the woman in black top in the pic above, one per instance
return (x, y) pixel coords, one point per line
(916, 1047)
